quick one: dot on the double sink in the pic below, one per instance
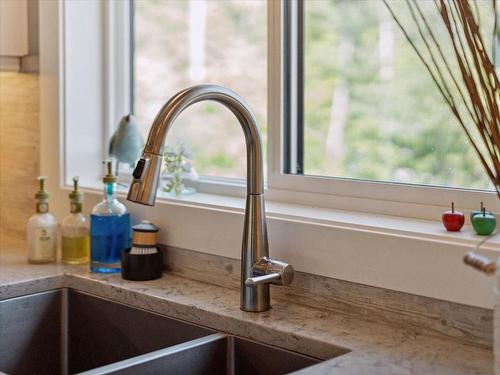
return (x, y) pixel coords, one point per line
(66, 331)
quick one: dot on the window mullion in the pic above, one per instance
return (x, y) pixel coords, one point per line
(293, 66)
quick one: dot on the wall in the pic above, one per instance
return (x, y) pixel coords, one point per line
(19, 154)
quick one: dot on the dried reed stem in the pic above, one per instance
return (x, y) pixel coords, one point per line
(475, 87)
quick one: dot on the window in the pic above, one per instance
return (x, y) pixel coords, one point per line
(344, 106)
(367, 108)
(181, 43)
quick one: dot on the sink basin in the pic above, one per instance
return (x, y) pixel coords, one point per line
(67, 331)
(216, 354)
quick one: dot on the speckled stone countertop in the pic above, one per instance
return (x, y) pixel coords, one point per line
(358, 346)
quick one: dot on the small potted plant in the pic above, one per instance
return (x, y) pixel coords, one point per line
(178, 171)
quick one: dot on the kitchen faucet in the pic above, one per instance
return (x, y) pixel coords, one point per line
(258, 271)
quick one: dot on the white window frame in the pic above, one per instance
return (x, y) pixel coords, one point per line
(346, 193)
(341, 193)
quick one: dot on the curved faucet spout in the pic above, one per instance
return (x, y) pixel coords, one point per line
(144, 191)
(255, 253)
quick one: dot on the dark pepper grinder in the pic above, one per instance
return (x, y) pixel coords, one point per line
(144, 260)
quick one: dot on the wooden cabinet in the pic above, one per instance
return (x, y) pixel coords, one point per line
(13, 28)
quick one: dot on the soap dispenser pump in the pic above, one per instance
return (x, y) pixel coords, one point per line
(42, 229)
(109, 228)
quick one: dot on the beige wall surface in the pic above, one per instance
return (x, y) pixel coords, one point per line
(19, 154)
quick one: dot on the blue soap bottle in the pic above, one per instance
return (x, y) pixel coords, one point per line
(109, 228)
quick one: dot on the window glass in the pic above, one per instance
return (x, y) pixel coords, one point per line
(371, 110)
(180, 43)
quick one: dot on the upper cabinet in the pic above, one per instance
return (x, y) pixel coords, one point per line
(14, 28)
(19, 35)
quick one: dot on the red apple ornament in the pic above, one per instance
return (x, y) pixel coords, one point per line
(453, 220)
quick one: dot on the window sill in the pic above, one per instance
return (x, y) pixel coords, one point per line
(404, 227)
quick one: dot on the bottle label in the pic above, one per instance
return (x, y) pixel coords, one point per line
(45, 246)
(42, 207)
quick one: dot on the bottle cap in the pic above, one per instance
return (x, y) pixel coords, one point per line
(145, 226)
(42, 193)
(109, 178)
(76, 195)
(145, 234)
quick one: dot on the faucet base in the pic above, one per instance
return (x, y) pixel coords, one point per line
(254, 247)
(255, 299)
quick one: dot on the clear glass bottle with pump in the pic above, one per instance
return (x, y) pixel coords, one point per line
(75, 230)
(109, 228)
(42, 230)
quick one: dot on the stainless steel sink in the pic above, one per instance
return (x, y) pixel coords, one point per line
(215, 354)
(67, 331)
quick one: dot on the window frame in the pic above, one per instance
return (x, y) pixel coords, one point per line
(284, 113)
(347, 193)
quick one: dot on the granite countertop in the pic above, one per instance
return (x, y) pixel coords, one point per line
(358, 346)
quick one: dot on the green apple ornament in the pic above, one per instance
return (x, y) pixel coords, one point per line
(475, 212)
(484, 223)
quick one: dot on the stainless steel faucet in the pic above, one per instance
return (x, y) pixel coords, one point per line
(258, 271)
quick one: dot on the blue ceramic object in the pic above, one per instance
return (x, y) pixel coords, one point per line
(127, 142)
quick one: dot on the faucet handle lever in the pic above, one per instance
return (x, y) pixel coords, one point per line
(258, 280)
(273, 271)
